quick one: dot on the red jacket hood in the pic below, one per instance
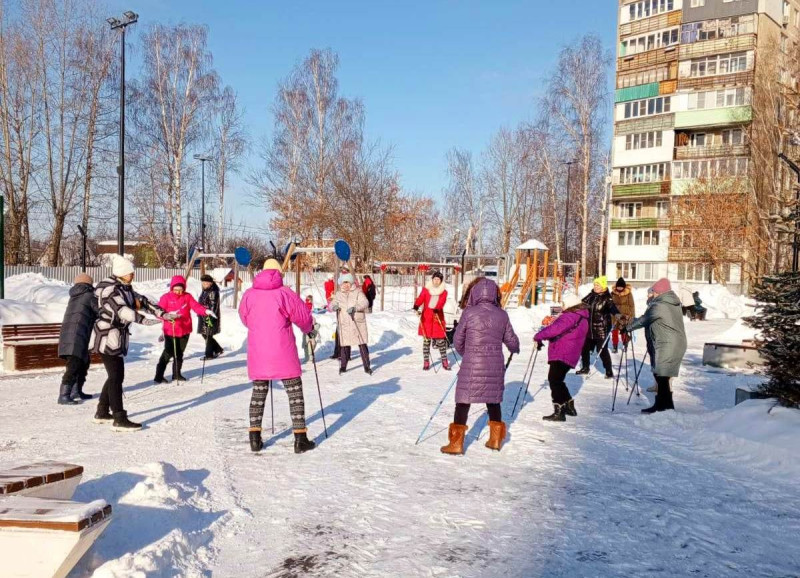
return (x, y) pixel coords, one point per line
(177, 280)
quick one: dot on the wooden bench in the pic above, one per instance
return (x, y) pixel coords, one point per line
(731, 356)
(33, 346)
(47, 479)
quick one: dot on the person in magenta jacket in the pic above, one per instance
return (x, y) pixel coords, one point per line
(177, 331)
(567, 335)
(268, 310)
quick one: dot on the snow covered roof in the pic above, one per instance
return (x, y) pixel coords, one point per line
(532, 244)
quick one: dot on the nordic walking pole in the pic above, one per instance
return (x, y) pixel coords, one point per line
(446, 393)
(319, 391)
(208, 328)
(635, 371)
(527, 383)
(174, 352)
(619, 374)
(450, 345)
(360, 339)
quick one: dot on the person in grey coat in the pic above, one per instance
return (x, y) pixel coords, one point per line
(479, 338)
(73, 343)
(664, 320)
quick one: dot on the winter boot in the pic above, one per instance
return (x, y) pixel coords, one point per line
(255, 440)
(65, 395)
(653, 408)
(426, 366)
(667, 403)
(497, 434)
(178, 374)
(160, 368)
(456, 435)
(609, 374)
(122, 423)
(102, 415)
(582, 371)
(614, 350)
(557, 415)
(445, 364)
(77, 393)
(569, 408)
(301, 442)
(368, 370)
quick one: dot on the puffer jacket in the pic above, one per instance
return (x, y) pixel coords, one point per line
(483, 329)
(352, 330)
(566, 334)
(79, 318)
(209, 299)
(664, 320)
(601, 310)
(118, 306)
(182, 305)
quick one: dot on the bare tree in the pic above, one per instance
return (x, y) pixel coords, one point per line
(463, 195)
(577, 98)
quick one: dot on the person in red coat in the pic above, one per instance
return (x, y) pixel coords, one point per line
(330, 288)
(177, 332)
(431, 322)
(368, 287)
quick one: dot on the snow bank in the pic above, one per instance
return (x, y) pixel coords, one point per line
(763, 422)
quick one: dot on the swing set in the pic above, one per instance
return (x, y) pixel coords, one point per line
(419, 272)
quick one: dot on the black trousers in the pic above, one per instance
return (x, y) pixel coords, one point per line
(173, 347)
(344, 355)
(75, 372)
(111, 396)
(594, 344)
(462, 413)
(212, 347)
(558, 389)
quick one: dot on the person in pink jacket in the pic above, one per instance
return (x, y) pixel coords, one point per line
(268, 310)
(177, 332)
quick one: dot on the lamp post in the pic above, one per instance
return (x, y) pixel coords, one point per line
(566, 211)
(203, 159)
(128, 18)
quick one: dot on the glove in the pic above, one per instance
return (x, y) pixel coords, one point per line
(313, 334)
(351, 311)
(150, 321)
(336, 308)
(169, 316)
(210, 313)
(539, 345)
(437, 311)
(624, 330)
(161, 338)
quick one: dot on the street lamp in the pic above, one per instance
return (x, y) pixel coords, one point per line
(203, 159)
(128, 18)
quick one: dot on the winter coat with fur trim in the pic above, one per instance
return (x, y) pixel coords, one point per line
(432, 325)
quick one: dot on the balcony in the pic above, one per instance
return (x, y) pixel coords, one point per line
(647, 59)
(641, 190)
(650, 24)
(641, 223)
(657, 122)
(718, 46)
(637, 92)
(686, 153)
(714, 117)
(708, 82)
(699, 254)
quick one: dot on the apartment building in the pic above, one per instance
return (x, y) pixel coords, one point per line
(685, 82)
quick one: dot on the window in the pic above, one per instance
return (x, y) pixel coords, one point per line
(647, 8)
(643, 173)
(646, 107)
(637, 271)
(700, 272)
(717, 28)
(718, 64)
(630, 210)
(697, 3)
(633, 238)
(734, 136)
(697, 139)
(643, 77)
(725, 167)
(724, 97)
(652, 41)
(644, 140)
(662, 209)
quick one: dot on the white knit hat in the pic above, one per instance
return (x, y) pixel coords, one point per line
(571, 301)
(121, 266)
(346, 278)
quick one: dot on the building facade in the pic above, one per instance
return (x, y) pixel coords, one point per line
(685, 88)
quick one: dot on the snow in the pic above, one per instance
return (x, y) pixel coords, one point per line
(709, 489)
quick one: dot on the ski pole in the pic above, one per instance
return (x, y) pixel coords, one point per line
(174, 352)
(510, 357)
(619, 374)
(635, 370)
(319, 391)
(208, 328)
(450, 345)
(446, 393)
(527, 383)
(605, 342)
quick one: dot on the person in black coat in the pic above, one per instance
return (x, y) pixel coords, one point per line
(73, 343)
(601, 310)
(209, 326)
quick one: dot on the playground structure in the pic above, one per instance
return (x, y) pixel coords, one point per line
(532, 277)
(240, 255)
(419, 272)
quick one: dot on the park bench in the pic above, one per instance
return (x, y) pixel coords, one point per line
(33, 346)
(43, 532)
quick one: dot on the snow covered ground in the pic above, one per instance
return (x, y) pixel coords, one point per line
(708, 490)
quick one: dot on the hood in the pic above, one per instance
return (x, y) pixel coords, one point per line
(670, 298)
(268, 280)
(177, 280)
(434, 291)
(484, 291)
(80, 289)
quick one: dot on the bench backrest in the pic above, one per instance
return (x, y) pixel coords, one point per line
(30, 332)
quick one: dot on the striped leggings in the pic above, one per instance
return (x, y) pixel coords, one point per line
(441, 344)
(297, 409)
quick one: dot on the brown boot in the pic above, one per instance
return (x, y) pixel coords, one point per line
(497, 435)
(456, 435)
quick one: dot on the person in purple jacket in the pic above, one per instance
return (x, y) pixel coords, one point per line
(479, 339)
(567, 335)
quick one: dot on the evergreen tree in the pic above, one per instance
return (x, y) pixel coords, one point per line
(778, 322)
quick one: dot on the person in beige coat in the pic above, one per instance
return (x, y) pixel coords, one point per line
(350, 305)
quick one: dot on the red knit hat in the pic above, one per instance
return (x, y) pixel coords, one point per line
(662, 286)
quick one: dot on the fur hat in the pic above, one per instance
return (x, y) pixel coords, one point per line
(621, 283)
(83, 278)
(330, 277)
(346, 278)
(602, 281)
(437, 274)
(662, 286)
(571, 301)
(121, 267)
(272, 265)
(206, 279)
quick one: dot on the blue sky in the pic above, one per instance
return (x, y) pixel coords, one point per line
(432, 74)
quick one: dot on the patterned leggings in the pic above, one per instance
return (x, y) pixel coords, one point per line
(441, 344)
(297, 409)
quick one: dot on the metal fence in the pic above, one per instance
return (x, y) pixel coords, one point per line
(67, 274)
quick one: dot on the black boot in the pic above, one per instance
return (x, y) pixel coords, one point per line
(102, 415)
(77, 393)
(609, 374)
(161, 367)
(569, 408)
(557, 415)
(65, 395)
(582, 371)
(122, 423)
(178, 374)
(302, 443)
(653, 408)
(255, 441)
